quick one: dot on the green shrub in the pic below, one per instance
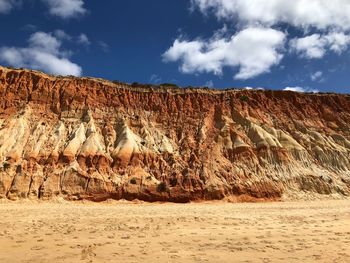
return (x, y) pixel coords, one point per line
(169, 85)
(6, 166)
(173, 182)
(133, 180)
(244, 98)
(162, 187)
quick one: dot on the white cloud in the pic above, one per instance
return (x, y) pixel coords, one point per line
(209, 84)
(66, 8)
(317, 76)
(103, 45)
(325, 26)
(254, 88)
(45, 42)
(300, 89)
(29, 27)
(7, 5)
(83, 39)
(80, 39)
(310, 46)
(295, 89)
(62, 8)
(320, 14)
(60, 34)
(155, 79)
(316, 46)
(43, 53)
(253, 50)
(338, 41)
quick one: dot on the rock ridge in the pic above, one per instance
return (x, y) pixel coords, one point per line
(85, 138)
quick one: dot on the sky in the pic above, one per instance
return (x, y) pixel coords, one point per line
(299, 45)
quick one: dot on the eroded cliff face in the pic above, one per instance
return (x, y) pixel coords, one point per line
(93, 139)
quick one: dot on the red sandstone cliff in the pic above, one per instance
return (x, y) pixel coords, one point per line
(83, 138)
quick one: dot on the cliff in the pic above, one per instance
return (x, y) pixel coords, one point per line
(84, 138)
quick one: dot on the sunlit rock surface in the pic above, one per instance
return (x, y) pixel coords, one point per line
(82, 138)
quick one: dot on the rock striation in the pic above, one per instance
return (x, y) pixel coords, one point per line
(85, 138)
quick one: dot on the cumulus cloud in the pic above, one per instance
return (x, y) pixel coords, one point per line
(42, 53)
(61, 34)
(155, 79)
(254, 88)
(317, 76)
(337, 41)
(79, 39)
(209, 84)
(324, 27)
(253, 51)
(66, 8)
(300, 89)
(29, 27)
(310, 46)
(315, 46)
(83, 39)
(103, 45)
(295, 89)
(7, 5)
(320, 14)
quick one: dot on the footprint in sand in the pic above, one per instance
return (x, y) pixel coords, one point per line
(37, 248)
(88, 252)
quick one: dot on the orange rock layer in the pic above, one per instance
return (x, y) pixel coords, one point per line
(84, 138)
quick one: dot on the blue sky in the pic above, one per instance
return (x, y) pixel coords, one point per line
(273, 44)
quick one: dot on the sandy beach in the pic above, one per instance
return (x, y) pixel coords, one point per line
(204, 232)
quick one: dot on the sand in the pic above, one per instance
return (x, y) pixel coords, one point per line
(204, 232)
